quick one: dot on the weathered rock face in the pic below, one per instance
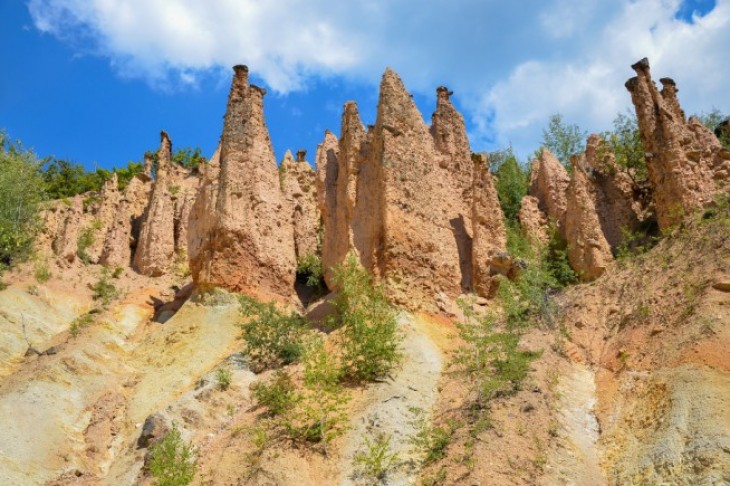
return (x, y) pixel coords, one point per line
(685, 159)
(548, 183)
(122, 236)
(249, 247)
(327, 170)
(533, 222)
(201, 211)
(103, 217)
(298, 184)
(156, 246)
(66, 242)
(400, 197)
(588, 251)
(616, 208)
(184, 189)
(489, 242)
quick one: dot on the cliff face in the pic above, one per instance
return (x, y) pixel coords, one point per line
(400, 197)
(200, 217)
(156, 245)
(123, 233)
(249, 247)
(686, 162)
(299, 186)
(548, 184)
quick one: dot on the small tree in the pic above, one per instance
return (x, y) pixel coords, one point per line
(21, 191)
(172, 461)
(563, 139)
(370, 339)
(512, 182)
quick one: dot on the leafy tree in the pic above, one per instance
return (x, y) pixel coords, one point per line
(512, 182)
(625, 143)
(21, 191)
(563, 139)
(172, 461)
(189, 157)
(369, 339)
(713, 121)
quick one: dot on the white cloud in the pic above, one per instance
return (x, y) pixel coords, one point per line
(511, 64)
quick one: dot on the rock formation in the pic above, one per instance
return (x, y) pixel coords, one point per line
(548, 183)
(184, 189)
(249, 246)
(103, 216)
(534, 223)
(617, 209)
(156, 246)
(685, 160)
(122, 236)
(201, 211)
(400, 197)
(327, 170)
(588, 251)
(66, 243)
(489, 236)
(298, 184)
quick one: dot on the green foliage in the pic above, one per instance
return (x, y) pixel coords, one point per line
(118, 271)
(21, 191)
(369, 340)
(556, 261)
(42, 272)
(271, 337)
(563, 139)
(512, 182)
(429, 442)
(223, 377)
(172, 461)
(377, 459)
(713, 121)
(309, 268)
(635, 243)
(66, 179)
(81, 322)
(492, 360)
(625, 143)
(103, 289)
(189, 157)
(278, 396)
(86, 238)
(313, 413)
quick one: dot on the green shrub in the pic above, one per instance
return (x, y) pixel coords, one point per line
(42, 272)
(278, 396)
(118, 271)
(172, 461)
(103, 289)
(377, 459)
(491, 360)
(80, 322)
(86, 238)
(223, 377)
(369, 340)
(21, 191)
(563, 139)
(429, 442)
(309, 269)
(512, 182)
(271, 337)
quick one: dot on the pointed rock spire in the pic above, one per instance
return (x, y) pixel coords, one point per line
(686, 162)
(249, 246)
(156, 246)
(548, 183)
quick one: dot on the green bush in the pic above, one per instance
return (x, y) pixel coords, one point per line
(21, 191)
(369, 340)
(86, 238)
(377, 459)
(223, 377)
(429, 442)
(490, 359)
(81, 322)
(172, 461)
(103, 289)
(309, 269)
(271, 337)
(278, 396)
(42, 272)
(512, 182)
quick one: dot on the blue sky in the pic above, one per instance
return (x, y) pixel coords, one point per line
(95, 80)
